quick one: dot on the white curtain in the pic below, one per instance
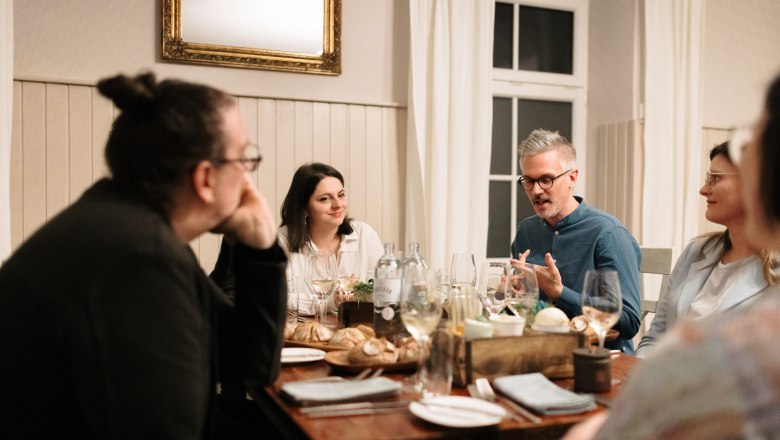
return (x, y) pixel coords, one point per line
(6, 107)
(448, 144)
(672, 136)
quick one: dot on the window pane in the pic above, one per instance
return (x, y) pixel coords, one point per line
(549, 115)
(524, 207)
(501, 151)
(502, 36)
(546, 40)
(499, 238)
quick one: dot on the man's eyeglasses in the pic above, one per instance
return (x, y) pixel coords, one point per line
(544, 182)
(714, 178)
(250, 161)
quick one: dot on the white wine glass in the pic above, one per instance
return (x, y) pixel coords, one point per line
(421, 307)
(523, 289)
(321, 281)
(347, 272)
(602, 301)
(492, 287)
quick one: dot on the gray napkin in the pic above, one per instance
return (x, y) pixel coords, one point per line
(537, 392)
(344, 390)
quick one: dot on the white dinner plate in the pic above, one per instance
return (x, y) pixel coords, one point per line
(294, 355)
(458, 411)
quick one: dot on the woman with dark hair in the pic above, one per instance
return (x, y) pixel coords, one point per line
(718, 271)
(718, 378)
(314, 218)
(108, 326)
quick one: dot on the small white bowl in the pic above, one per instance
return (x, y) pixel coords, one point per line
(506, 325)
(474, 329)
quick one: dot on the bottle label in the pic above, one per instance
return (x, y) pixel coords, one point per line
(387, 290)
(388, 313)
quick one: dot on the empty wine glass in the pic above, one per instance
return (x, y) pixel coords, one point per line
(602, 301)
(421, 306)
(347, 272)
(492, 287)
(321, 280)
(463, 270)
(523, 289)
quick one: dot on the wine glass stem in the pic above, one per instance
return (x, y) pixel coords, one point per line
(422, 344)
(601, 334)
(322, 304)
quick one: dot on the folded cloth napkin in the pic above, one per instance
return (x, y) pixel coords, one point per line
(323, 392)
(537, 392)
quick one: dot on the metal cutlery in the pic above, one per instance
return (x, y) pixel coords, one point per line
(355, 408)
(487, 393)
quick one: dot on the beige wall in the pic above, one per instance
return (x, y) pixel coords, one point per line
(80, 41)
(59, 133)
(355, 121)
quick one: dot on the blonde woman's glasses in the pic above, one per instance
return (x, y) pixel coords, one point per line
(714, 178)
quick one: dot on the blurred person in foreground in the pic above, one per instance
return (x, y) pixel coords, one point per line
(109, 328)
(720, 271)
(567, 237)
(718, 378)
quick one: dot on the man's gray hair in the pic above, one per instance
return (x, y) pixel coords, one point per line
(541, 141)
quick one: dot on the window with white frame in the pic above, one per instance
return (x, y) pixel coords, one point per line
(539, 81)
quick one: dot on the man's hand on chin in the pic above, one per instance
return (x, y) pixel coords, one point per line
(251, 223)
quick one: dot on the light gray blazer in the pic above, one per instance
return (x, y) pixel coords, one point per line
(686, 280)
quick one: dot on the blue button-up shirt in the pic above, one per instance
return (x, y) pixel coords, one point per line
(586, 239)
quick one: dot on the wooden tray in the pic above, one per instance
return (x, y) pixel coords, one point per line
(338, 360)
(547, 353)
(324, 346)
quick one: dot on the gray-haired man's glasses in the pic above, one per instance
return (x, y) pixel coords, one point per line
(544, 182)
(250, 161)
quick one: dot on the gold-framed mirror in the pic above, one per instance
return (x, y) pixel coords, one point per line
(291, 35)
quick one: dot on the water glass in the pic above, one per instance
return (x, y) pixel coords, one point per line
(523, 291)
(436, 372)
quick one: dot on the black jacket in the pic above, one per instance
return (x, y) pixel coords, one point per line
(109, 328)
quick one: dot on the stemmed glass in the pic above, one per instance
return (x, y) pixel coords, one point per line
(492, 287)
(602, 301)
(321, 280)
(347, 272)
(421, 306)
(462, 270)
(523, 291)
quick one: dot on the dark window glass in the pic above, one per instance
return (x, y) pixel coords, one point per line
(546, 40)
(501, 151)
(502, 36)
(549, 115)
(499, 238)
(524, 207)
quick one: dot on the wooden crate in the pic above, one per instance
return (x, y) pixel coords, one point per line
(548, 353)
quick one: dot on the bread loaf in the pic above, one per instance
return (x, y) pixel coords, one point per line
(373, 351)
(312, 332)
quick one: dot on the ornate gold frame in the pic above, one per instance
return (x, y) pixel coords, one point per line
(329, 63)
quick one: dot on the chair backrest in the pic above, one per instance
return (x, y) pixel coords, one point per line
(657, 261)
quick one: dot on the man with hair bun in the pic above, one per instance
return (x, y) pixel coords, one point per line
(109, 328)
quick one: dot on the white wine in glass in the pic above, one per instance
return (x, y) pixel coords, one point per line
(421, 306)
(347, 272)
(321, 280)
(602, 301)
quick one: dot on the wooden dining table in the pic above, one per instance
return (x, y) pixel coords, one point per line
(402, 424)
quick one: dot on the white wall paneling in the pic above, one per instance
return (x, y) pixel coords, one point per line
(60, 130)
